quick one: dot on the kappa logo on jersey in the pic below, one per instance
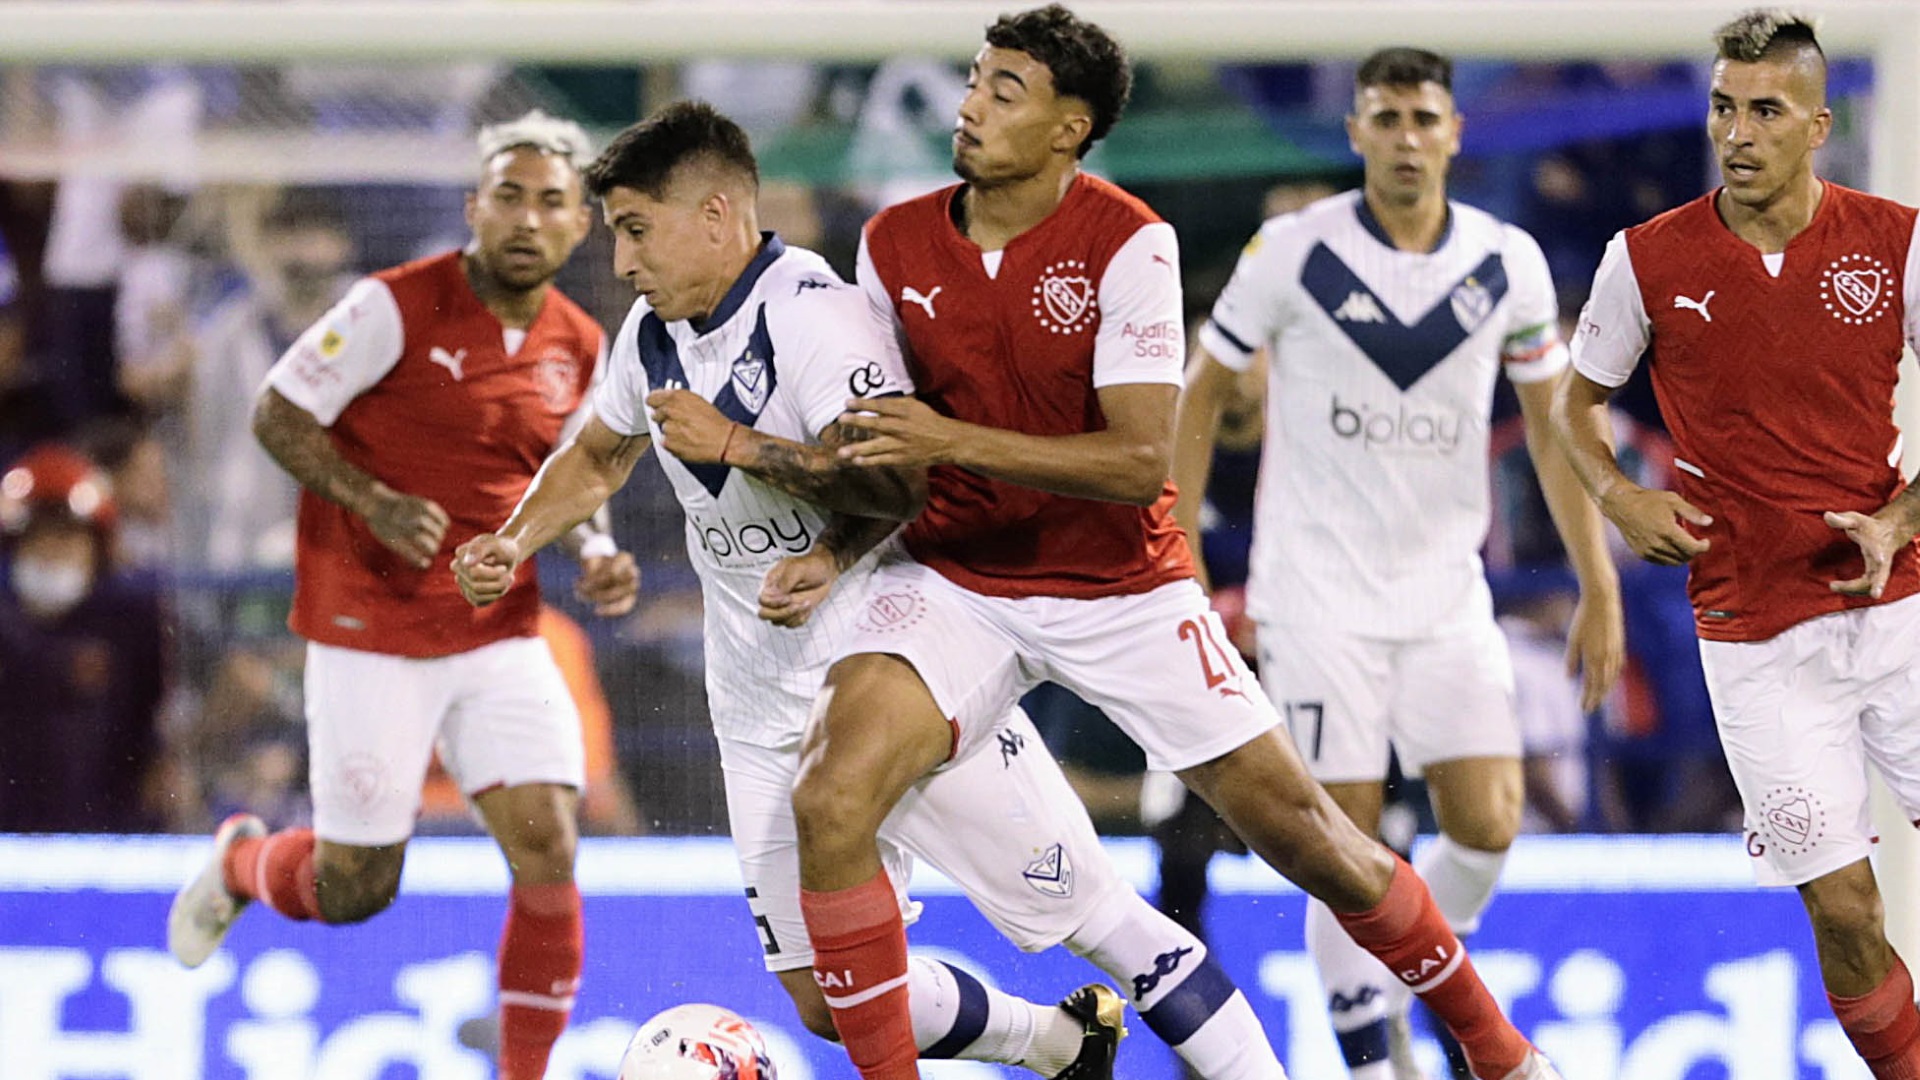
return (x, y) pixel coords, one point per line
(557, 377)
(1857, 289)
(453, 361)
(1051, 874)
(1688, 303)
(895, 609)
(911, 295)
(1011, 743)
(1063, 298)
(1360, 307)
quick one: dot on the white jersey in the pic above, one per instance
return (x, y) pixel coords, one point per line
(1373, 496)
(784, 350)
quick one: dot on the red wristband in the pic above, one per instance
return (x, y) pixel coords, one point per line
(728, 445)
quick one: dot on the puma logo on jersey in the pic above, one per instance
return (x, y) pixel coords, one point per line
(1360, 307)
(1688, 303)
(911, 295)
(451, 361)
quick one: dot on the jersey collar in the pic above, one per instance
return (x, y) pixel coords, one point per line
(1379, 231)
(771, 248)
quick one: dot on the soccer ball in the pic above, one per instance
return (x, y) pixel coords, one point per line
(696, 1042)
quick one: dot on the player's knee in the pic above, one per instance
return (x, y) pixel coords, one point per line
(826, 806)
(352, 891)
(1846, 909)
(540, 847)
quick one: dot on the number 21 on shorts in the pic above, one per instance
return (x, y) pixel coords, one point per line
(1216, 663)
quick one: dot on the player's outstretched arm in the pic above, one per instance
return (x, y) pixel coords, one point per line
(797, 584)
(410, 527)
(1597, 639)
(569, 487)
(1126, 463)
(692, 430)
(1650, 521)
(1209, 386)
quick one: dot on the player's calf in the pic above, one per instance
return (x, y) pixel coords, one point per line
(353, 884)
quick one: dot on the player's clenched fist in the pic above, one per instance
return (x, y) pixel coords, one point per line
(796, 585)
(484, 568)
(409, 526)
(610, 583)
(1650, 521)
(691, 429)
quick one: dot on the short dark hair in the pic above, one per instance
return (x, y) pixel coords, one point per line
(1766, 34)
(646, 156)
(1402, 65)
(1085, 61)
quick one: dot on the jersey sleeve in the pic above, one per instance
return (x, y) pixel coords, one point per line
(1247, 314)
(830, 348)
(881, 313)
(342, 356)
(1141, 339)
(620, 401)
(1531, 349)
(1614, 330)
(1910, 292)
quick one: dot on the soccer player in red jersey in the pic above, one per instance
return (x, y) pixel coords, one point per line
(415, 414)
(1038, 309)
(1776, 308)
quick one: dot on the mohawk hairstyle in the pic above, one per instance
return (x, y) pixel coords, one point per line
(646, 156)
(547, 134)
(1085, 61)
(1763, 33)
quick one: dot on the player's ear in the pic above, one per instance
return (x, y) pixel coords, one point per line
(1075, 126)
(1822, 127)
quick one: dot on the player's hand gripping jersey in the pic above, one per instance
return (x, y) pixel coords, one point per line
(1023, 339)
(414, 380)
(1373, 500)
(784, 350)
(1777, 383)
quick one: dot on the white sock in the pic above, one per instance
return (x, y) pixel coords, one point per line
(955, 1015)
(1358, 989)
(1178, 990)
(1462, 880)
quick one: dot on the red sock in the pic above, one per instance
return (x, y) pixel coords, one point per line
(1884, 1025)
(540, 953)
(277, 870)
(1409, 935)
(860, 962)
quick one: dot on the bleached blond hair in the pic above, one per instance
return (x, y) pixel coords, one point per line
(547, 134)
(1755, 34)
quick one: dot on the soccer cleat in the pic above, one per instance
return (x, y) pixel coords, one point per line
(203, 910)
(1103, 1014)
(1536, 1067)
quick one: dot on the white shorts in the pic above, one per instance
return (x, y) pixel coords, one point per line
(1801, 715)
(1157, 663)
(500, 714)
(1346, 698)
(1000, 821)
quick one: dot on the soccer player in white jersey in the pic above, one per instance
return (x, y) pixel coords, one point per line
(1389, 313)
(737, 360)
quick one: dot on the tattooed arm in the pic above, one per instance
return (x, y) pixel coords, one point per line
(694, 431)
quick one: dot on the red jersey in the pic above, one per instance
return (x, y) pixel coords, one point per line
(1777, 388)
(1090, 297)
(412, 375)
